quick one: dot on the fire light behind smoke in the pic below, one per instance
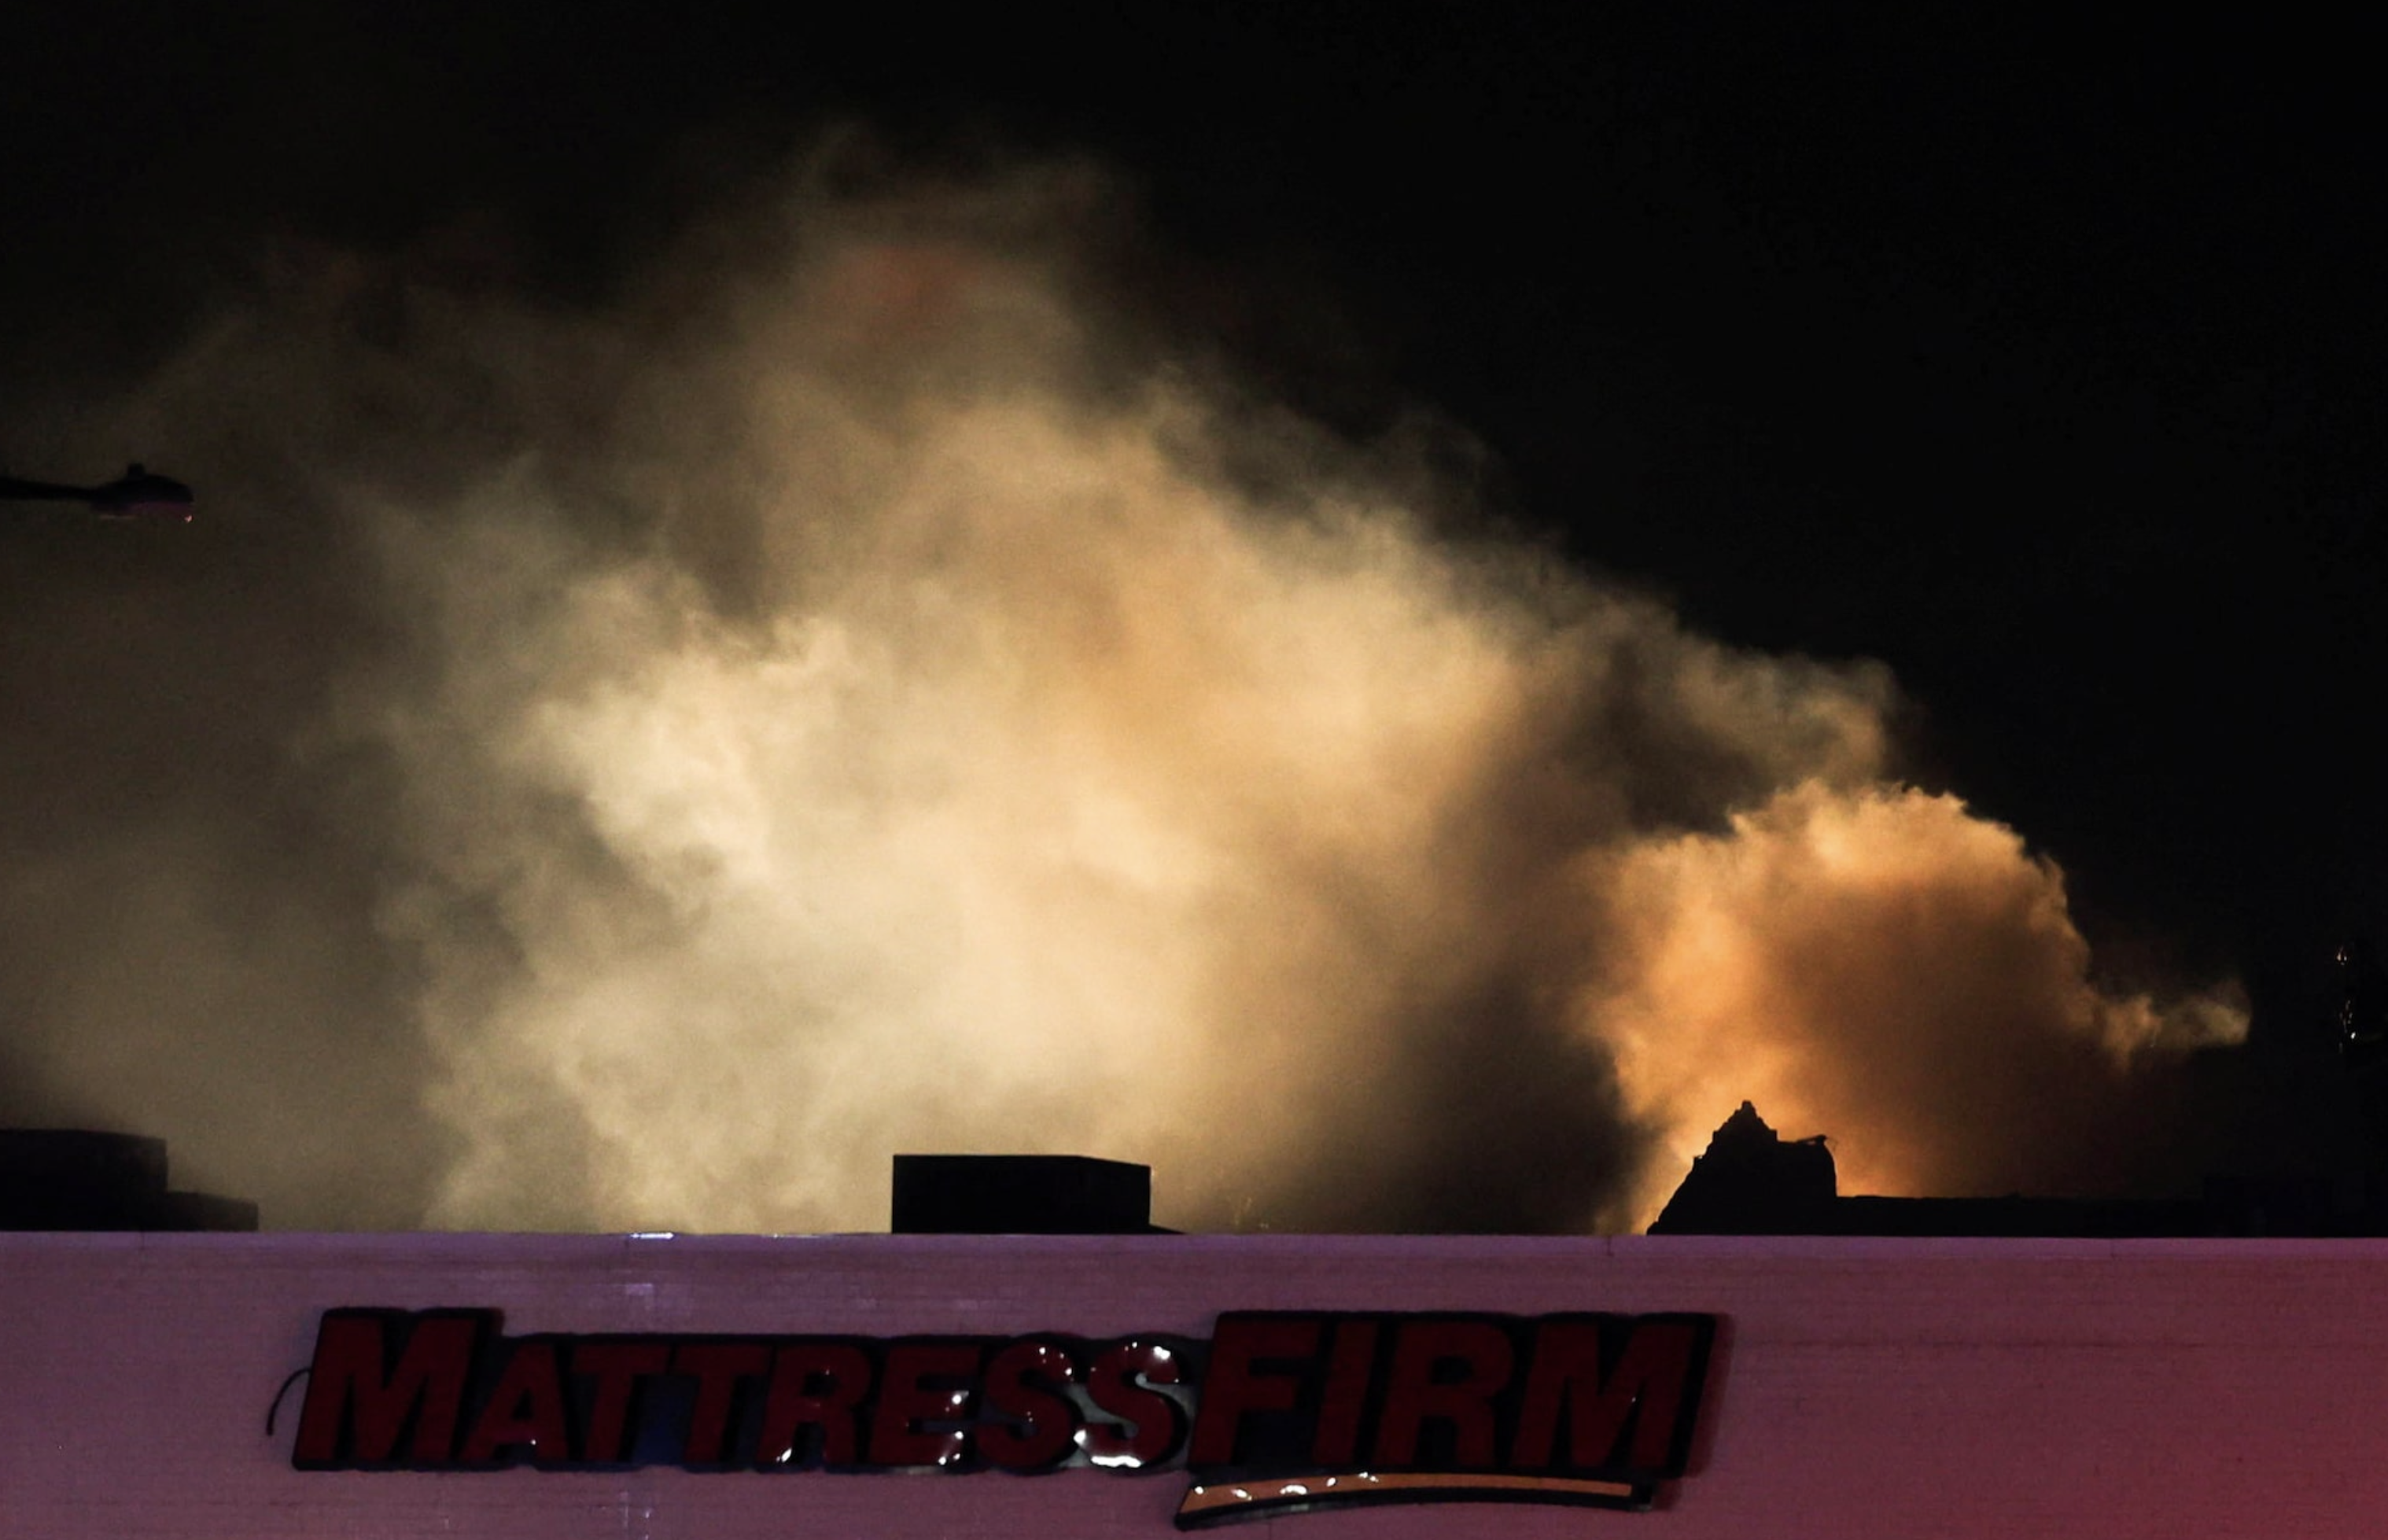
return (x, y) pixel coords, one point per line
(858, 710)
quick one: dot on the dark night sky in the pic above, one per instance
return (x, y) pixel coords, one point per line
(2037, 358)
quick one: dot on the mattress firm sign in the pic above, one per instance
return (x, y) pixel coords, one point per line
(1277, 1412)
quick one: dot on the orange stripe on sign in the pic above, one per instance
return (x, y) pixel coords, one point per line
(1226, 1501)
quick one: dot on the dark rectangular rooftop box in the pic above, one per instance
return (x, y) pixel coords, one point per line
(83, 1179)
(1022, 1195)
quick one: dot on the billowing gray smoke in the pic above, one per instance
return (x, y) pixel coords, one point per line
(864, 693)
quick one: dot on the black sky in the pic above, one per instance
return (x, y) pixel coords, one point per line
(2036, 357)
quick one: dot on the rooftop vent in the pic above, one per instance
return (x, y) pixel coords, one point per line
(74, 1179)
(1022, 1195)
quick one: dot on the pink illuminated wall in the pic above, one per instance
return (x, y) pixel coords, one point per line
(1862, 1387)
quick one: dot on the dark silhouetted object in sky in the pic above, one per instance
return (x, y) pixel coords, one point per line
(2362, 1005)
(2361, 1027)
(138, 494)
(73, 1179)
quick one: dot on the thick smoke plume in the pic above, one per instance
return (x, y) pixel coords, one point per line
(864, 692)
